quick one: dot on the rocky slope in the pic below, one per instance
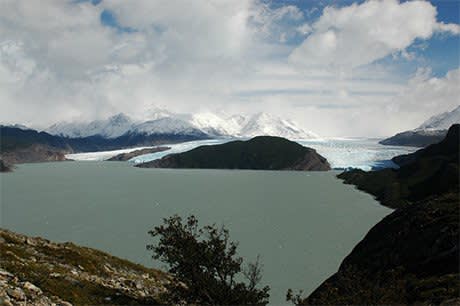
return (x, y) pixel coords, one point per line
(259, 153)
(129, 155)
(433, 170)
(35, 271)
(412, 255)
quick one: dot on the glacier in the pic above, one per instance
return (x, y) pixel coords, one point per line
(362, 153)
(342, 153)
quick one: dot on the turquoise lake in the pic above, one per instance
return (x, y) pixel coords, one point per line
(302, 224)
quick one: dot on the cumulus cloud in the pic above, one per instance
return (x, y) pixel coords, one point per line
(59, 61)
(360, 34)
(427, 95)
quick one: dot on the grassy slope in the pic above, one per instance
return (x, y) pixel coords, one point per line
(77, 274)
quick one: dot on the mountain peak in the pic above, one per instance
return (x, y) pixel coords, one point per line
(441, 121)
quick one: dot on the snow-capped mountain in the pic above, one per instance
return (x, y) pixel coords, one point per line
(249, 126)
(215, 125)
(265, 124)
(112, 127)
(442, 121)
(200, 124)
(167, 125)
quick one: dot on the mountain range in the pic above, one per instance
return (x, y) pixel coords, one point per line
(431, 131)
(198, 125)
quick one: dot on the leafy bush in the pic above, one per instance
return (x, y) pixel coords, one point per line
(204, 265)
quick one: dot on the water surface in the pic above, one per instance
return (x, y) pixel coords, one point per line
(301, 223)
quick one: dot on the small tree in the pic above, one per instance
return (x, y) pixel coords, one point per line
(204, 264)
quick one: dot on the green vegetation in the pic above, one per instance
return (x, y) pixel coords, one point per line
(204, 264)
(260, 153)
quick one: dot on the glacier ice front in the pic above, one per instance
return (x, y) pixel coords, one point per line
(362, 153)
(359, 153)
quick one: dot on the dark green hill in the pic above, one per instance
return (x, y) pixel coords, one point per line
(259, 153)
(433, 170)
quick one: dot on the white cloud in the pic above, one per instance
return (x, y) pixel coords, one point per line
(426, 95)
(58, 62)
(360, 34)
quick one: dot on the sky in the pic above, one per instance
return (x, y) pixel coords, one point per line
(337, 68)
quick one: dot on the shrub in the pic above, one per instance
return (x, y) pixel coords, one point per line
(204, 265)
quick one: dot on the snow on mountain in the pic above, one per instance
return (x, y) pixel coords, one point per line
(160, 121)
(167, 125)
(265, 124)
(112, 127)
(214, 125)
(249, 126)
(155, 113)
(442, 121)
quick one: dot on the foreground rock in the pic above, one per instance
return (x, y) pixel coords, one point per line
(129, 155)
(35, 271)
(4, 167)
(433, 170)
(412, 255)
(259, 153)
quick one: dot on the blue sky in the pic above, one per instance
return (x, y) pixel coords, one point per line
(441, 52)
(371, 67)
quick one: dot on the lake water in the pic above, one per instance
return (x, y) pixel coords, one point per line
(301, 223)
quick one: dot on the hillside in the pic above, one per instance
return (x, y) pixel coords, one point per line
(430, 171)
(259, 153)
(40, 272)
